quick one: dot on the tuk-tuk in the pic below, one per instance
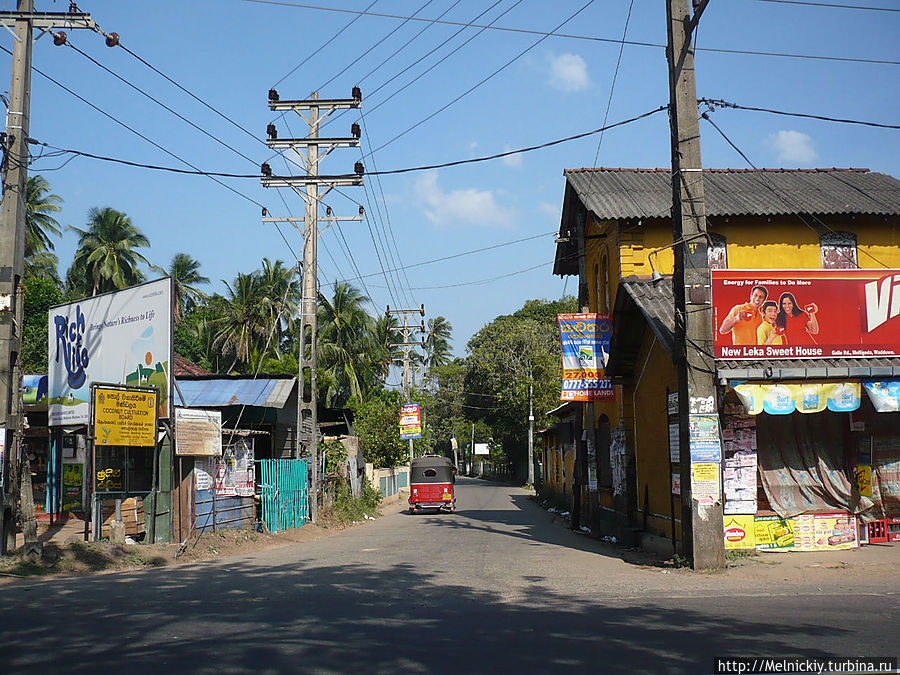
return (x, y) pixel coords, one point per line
(431, 480)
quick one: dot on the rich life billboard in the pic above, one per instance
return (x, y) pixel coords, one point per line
(806, 314)
(124, 337)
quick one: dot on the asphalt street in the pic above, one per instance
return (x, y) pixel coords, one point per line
(496, 587)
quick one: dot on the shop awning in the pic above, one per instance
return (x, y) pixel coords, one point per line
(220, 392)
(779, 398)
(807, 369)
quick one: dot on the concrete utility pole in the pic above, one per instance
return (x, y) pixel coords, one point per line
(307, 187)
(408, 345)
(530, 432)
(12, 243)
(586, 465)
(701, 515)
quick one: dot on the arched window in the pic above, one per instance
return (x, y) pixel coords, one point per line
(838, 250)
(717, 252)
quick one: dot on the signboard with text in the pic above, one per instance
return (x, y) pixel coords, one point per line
(198, 432)
(410, 421)
(584, 341)
(125, 417)
(124, 337)
(806, 314)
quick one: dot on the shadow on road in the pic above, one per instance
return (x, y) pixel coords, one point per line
(301, 617)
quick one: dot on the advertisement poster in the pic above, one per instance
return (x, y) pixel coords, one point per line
(885, 395)
(125, 417)
(704, 435)
(198, 432)
(783, 399)
(120, 338)
(73, 479)
(235, 473)
(740, 532)
(410, 421)
(806, 314)
(773, 533)
(705, 482)
(584, 340)
(825, 532)
(674, 444)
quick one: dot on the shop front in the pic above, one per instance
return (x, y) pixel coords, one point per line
(809, 408)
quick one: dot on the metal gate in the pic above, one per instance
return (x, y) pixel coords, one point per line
(284, 493)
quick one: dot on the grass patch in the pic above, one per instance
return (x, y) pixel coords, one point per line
(346, 509)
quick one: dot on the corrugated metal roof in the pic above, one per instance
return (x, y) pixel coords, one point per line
(647, 193)
(656, 303)
(262, 392)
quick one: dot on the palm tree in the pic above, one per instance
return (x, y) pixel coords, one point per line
(106, 259)
(344, 344)
(240, 327)
(437, 342)
(383, 349)
(186, 276)
(39, 225)
(281, 298)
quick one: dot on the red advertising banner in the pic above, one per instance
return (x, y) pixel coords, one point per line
(806, 314)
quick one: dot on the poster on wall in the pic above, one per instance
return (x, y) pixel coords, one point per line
(740, 532)
(774, 533)
(705, 487)
(704, 437)
(73, 479)
(198, 432)
(235, 473)
(584, 341)
(825, 532)
(124, 337)
(806, 314)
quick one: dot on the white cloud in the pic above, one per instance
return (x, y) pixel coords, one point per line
(458, 207)
(550, 209)
(568, 72)
(793, 146)
(515, 160)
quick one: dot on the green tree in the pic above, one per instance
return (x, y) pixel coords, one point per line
(345, 349)
(40, 295)
(377, 422)
(240, 327)
(185, 273)
(40, 203)
(437, 342)
(106, 258)
(505, 357)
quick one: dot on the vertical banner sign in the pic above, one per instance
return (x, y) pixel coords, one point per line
(584, 341)
(410, 421)
(806, 314)
(124, 337)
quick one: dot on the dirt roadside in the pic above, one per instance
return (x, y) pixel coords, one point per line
(65, 553)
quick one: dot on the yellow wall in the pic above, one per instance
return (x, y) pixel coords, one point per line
(752, 243)
(559, 465)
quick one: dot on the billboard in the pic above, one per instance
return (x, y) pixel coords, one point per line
(584, 341)
(198, 432)
(410, 421)
(124, 337)
(125, 417)
(806, 314)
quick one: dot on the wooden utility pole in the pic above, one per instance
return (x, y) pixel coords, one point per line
(12, 247)
(701, 511)
(307, 187)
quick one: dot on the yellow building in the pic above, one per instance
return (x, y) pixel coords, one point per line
(616, 236)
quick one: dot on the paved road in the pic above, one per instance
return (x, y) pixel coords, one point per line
(495, 588)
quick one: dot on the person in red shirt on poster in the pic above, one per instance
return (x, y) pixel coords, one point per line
(798, 325)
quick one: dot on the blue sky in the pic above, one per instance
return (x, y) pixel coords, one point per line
(230, 52)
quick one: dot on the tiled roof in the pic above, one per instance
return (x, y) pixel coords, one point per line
(654, 304)
(183, 366)
(647, 193)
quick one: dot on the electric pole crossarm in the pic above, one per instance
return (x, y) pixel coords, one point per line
(345, 180)
(306, 104)
(276, 143)
(45, 20)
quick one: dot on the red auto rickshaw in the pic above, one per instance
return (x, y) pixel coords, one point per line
(431, 480)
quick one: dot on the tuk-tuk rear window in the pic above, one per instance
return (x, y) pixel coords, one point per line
(430, 473)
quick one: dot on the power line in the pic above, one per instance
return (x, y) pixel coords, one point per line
(780, 196)
(591, 38)
(612, 87)
(483, 80)
(465, 253)
(831, 6)
(718, 103)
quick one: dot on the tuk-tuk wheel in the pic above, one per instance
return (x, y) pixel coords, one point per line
(412, 511)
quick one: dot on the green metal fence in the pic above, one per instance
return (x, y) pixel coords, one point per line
(284, 493)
